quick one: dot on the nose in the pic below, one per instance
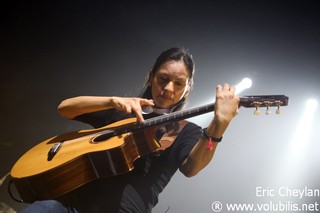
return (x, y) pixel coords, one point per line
(169, 87)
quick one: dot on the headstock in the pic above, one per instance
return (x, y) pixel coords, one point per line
(257, 101)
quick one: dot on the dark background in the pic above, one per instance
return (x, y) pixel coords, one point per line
(52, 50)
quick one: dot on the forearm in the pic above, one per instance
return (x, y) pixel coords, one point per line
(225, 108)
(200, 156)
(72, 107)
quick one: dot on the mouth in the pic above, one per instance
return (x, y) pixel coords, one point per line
(164, 101)
(166, 98)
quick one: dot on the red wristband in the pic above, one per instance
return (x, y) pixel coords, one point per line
(211, 139)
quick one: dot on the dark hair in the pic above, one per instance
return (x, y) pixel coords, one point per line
(175, 54)
(172, 54)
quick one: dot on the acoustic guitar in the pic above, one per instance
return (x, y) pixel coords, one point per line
(65, 162)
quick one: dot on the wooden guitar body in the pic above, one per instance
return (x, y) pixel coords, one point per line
(78, 161)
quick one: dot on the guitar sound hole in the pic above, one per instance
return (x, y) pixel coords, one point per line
(100, 138)
(103, 137)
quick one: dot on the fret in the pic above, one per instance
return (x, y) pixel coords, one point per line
(245, 101)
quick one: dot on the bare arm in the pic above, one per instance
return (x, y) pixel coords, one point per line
(225, 109)
(73, 107)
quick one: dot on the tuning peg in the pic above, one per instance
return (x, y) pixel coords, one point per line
(257, 111)
(268, 111)
(278, 111)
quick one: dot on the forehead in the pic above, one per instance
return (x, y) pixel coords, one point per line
(174, 69)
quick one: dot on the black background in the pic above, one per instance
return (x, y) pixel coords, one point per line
(52, 50)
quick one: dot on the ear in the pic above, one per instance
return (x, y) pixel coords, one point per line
(188, 88)
(150, 76)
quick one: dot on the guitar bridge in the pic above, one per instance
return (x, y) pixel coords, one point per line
(53, 151)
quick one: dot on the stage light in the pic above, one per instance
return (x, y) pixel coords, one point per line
(292, 166)
(311, 104)
(246, 83)
(203, 120)
(303, 130)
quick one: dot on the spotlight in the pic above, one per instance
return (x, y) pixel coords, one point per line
(246, 83)
(311, 104)
(303, 130)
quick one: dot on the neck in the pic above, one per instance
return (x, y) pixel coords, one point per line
(161, 111)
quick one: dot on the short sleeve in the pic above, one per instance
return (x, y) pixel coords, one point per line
(187, 139)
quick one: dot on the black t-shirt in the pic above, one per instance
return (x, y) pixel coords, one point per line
(137, 190)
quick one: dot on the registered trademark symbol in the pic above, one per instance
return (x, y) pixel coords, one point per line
(216, 206)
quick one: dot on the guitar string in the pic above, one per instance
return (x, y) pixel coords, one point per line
(177, 115)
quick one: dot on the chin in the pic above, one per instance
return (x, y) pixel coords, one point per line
(163, 105)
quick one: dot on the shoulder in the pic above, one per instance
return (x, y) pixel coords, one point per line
(191, 128)
(190, 133)
(186, 140)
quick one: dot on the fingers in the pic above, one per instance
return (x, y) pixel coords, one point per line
(137, 108)
(133, 105)
(226, 87)
(138, 111)
(227, 103)
(146, 102)
(218, 88)
(232, 89)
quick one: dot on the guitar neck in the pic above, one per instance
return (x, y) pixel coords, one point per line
(245, 101)
(179, 115)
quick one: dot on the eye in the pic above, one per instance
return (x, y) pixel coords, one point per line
(180, 84)
(163, 79)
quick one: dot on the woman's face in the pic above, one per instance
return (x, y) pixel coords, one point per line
(170, 84)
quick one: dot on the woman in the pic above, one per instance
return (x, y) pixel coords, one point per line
(166, 90)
